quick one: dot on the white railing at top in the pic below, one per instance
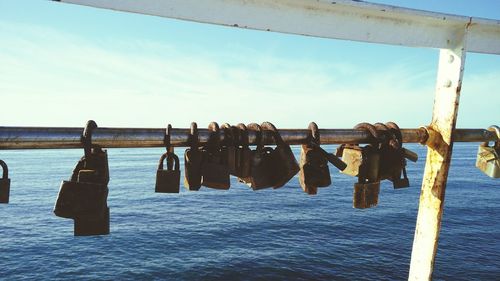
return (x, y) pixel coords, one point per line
(347, 20)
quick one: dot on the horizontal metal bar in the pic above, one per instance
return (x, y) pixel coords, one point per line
(57, 137)
(340, 19)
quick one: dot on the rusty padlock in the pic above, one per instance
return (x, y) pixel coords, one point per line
(366, 190)
(243, 153)
(362, 158)
(488, 157)
(193, 159)
(214, 171)
(4, 184)
(314, 171)
(262, 163)
(397, 156)
(228, 147)
(168, 180)
(84, 197)
(284, 159)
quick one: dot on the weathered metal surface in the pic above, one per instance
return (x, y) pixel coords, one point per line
(347, 20)
(56, 137)
(440, 144)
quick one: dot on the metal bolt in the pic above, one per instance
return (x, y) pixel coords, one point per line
(447, 83)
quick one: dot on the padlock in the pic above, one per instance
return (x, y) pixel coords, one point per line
(4, 184)
(214, 171)
(365, 195)
(314, 171)
(243, 153)
(167, 181)
(84, 197)
(357, 157)
(286, 166)
(392, 159)
(228, 148)
(363, 162)
(193, 159)
(262, 165)
(81, 199)
(366, 190)
(488, 157)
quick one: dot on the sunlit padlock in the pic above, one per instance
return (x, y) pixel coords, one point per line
(4, 184)
(488, 157)
(193, 159)
(243, 153)
(356, 157)
(262, 163)
(286, 166)
(214, 171)
(168, 180)
(314, 171)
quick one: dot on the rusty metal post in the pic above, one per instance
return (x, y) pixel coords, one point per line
(440, 144)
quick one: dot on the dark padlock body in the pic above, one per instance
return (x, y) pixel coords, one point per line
(244, 162)
(92, 226)
(365, 195)
(4, 191)
(81, 199)
(262, 169)
(229, 153)
(215, 174)
(286, 165)
(314, 171)
(192, 169)
(167, 181)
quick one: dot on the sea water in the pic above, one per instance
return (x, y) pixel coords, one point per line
(240, 234)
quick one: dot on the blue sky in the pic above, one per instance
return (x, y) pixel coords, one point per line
(63, 64)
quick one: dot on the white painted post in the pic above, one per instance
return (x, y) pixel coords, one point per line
(440, 144)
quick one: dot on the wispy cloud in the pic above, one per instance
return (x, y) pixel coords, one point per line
(53, 78)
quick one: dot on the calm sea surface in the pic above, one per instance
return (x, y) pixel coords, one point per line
(240, 234)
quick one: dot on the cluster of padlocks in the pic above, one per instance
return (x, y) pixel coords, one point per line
(83, 197)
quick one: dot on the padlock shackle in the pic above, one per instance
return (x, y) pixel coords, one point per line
(228, 132)
(193, 138)
(370, 129)
(243, 138)
(496, 130)
(5, 169)
(396, 131)
(86, 137)
(258, 134)
(268, 126)
(314, 134)
(167, 137)
(214, 138)
(169, 156)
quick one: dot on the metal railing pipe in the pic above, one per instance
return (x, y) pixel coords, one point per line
(65, 137)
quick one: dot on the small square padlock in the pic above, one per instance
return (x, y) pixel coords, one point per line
(168, 181)
(365, 195)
